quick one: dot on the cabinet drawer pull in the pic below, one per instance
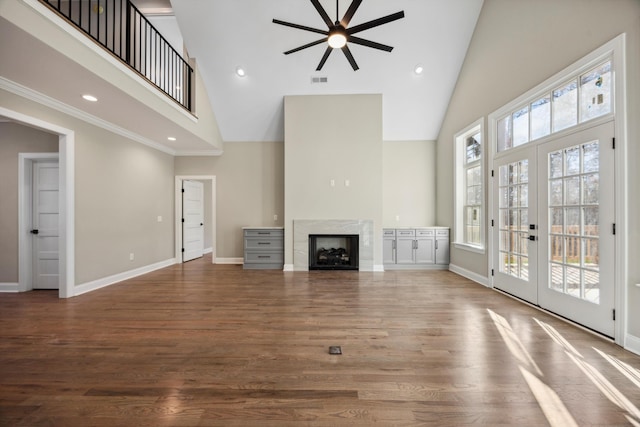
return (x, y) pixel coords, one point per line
(264, 243)
(264, 256)
(264, 232)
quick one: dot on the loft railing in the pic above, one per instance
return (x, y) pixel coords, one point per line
(119, 27)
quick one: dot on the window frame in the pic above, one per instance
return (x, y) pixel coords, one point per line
(460, 168)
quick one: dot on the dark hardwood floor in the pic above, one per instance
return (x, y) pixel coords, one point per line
(201, 344)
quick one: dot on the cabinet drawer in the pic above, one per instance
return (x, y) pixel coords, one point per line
(263, 233)
(405, 233)
(442, 232)
(264, 257)
(389, 233)
(263, 243)
(424, 233)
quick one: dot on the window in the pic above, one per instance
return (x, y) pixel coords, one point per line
(584, 97)
(469, 230)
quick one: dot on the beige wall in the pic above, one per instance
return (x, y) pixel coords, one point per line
(14, 139)
(250, 186)
(335, 137)
(121, 187)
(249, 189)
(517, 45)
(409, 183)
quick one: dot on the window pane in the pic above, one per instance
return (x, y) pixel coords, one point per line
(541, 118)
(591, 220)
(472, 148)
(595, 92)
(555, 165)
(572, 159)
(555, 192)
(521, 127)
(590, 157)
(504, 134)
(572, 191)
(590, 189)
(565, 106)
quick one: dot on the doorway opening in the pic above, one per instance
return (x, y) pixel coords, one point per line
(209, 210)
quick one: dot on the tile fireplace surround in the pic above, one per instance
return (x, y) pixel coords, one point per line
(303, 227)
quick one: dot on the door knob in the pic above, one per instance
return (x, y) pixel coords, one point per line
(34, 232)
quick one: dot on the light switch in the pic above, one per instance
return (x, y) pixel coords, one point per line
(159, 218)
(346, 182)
(333, 182)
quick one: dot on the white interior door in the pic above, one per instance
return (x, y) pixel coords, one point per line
(192, 220)
(44, 226)
(577, 241)
(515, 222)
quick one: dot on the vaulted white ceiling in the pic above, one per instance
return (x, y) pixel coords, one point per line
(224, 34)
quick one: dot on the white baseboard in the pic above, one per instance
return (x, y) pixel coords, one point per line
(207, 251)
(484, 281)
(378, 268)
(632, 343)
(229, 260)
(9, 287)
(288, 267)
(110, 280)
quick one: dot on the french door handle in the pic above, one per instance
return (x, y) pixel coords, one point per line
(533, 238)
(34, 231)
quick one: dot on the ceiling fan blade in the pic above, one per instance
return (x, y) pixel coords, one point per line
(369, 43)
(300, 27)
(324, 58)
(322, 12)
(350, 57)
(355, 4)
(376, 22)
(324, 40)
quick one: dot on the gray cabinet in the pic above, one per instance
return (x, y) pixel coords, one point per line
(389, 246)
(425, 246)
(442, 247)
(263, 248)
(415, 248)
(405, 247)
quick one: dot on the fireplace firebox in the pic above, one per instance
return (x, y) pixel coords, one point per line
(333, 251)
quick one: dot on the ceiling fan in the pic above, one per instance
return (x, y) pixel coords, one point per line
(339, 33)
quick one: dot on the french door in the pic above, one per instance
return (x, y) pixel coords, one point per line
(554, 239)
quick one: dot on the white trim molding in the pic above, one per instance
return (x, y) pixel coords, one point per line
(230, 261)
(9, 287)
(632, 343)
(484, 281)
(116, 278)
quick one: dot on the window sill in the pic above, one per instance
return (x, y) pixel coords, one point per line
(470, 248)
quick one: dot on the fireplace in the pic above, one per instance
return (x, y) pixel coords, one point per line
(333, 251)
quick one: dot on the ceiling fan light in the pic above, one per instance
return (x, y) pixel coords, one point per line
(337, 40)
(419, 69)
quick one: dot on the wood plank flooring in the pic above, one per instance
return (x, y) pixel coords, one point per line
(212, 345)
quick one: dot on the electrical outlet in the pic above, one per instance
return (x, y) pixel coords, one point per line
(131, 256)
(275, 217)
(346, 183)
(159, 218)
(397, 217)
(333, 182)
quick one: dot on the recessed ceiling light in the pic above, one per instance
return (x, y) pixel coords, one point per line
(90, 98)
(240, 72)
(419, 69)
(171, 138)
